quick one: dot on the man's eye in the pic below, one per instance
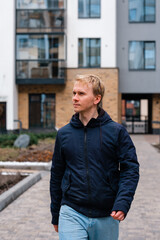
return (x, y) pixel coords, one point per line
(81, 93)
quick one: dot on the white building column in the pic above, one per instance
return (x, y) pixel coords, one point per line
(8, 88)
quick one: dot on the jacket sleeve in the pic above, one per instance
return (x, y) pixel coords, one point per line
(129, 172)
(57, 172)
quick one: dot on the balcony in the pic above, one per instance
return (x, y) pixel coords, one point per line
(38, 21)
(40, 42)
(41, 4)
(40, 72)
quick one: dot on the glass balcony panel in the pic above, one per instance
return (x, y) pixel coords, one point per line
(41, 46)
(40, 4)
(40, 70)
(40, 19)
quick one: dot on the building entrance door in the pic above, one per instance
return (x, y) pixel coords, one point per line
(41, 110)
(135, 115)
(2, 117)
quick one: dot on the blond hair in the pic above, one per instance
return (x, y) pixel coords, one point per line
(97, 84)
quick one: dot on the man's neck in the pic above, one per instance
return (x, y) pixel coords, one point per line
(85, 117)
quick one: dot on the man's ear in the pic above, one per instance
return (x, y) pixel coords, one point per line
(97, 99)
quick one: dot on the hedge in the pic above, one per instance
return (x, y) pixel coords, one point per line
(7, 140)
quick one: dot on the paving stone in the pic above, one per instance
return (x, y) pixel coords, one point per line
(28, 217)
(142, 221)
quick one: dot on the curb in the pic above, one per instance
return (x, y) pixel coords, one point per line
(26, 165)
(9, 196)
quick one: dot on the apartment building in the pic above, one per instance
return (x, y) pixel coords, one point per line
(8, 87)
(138, 60)
(45, 44)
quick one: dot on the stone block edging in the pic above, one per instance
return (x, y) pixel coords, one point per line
(9, 196)
(26, 165)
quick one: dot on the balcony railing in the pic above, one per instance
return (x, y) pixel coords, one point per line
(135, 124)
(43, 4)
(40, 21)
(40, 72)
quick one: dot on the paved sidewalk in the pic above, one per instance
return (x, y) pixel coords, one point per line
(28, 217)
(143, 219)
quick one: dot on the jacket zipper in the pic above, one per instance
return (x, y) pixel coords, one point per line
(87, 170)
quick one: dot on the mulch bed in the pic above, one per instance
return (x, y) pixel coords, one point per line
(8, 181)
(42, 152)
(35, 156)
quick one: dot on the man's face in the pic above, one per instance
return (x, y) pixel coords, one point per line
(83, 98)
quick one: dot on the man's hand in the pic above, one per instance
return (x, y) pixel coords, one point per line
(118, 215)
(55, 228)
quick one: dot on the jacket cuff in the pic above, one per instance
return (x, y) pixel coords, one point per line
(119, 207)
(55, 220)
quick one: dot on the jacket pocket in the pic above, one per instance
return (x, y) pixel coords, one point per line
(66, 181)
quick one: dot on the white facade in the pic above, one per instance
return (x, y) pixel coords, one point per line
(8, 89)
(103, 28)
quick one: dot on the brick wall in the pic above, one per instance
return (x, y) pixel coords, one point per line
(155, 110)
(64, 109)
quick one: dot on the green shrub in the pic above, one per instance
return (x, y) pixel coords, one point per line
(46, 135)
(33, 139)
(7, 140)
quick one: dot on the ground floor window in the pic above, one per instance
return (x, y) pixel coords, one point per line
(135, 115)
(41, 110)
(2, 116)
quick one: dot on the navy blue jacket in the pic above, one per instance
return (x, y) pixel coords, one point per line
(94, 168)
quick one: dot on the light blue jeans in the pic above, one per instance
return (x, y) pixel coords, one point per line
(76, 226)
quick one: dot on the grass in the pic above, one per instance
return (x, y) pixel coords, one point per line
(8, 153)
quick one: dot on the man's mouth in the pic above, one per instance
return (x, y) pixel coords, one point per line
(76, 105)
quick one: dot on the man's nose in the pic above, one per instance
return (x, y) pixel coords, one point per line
(75, 97)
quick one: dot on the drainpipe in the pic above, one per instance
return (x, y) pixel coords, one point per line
(20, 125)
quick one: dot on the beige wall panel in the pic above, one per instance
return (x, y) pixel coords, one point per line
(156, 110)
(23, 109)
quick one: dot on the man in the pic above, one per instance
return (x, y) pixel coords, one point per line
(94, 171)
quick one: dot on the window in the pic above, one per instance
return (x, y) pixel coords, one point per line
(89, 8)
(42, 110)
(142, 55)
(141, 10)
(89, 52)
